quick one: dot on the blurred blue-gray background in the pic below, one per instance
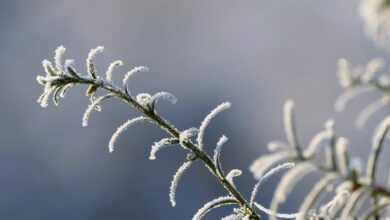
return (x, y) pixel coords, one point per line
(253, 53)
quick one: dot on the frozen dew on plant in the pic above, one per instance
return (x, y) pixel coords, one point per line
(361, 80)
(93, 106)
(186, 135)
(353, 185)
(205, 123)
(232, 174)
(89, 61)
(111, 68)
(289, 123)
(123, 128)
(157, 146)
(213, 204)
(288, 182)
(133, 71)
(175, 181)
(267, 175)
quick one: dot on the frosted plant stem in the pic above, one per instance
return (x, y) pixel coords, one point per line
(198, 152)
(173, 132)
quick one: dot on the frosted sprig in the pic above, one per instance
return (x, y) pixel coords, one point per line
(162, 96)
(133, 71)
(213, 204)
(59, 57)
(289, 125)
(144, 99)
(361, 80)
(92, 107)
(89, 61)
(202, 129)
(57, 81)
(157, 146)
(217, 153)
(61, 76)
(111, 67)
(288, 182)
(123, 128)
(175, 181)
(186, 135)
(267, 175)
(261, 165)
(232, 174)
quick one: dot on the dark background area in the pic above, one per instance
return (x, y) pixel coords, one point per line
(255, 53)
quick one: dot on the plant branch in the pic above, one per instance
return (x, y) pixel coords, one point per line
(173, 132)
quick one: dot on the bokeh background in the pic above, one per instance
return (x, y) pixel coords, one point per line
(253, 53)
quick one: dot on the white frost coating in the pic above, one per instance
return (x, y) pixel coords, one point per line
(68, 63)
(277, 145)
(175, 181)
(144, 99)
(48, 67)
(215, 203)
(288, 120)
(232, 174)
(111, 68)
(163, 95)
(277, 215)
(218, 148)
(330, 209)
(41, 80)
(344, 73)
(186, 135)
(288, 182)
(58, 57)
(206, 121)
(341, 153)
(314, 194)
(270, 173)
(132, 72)
(370, 110)
(65, 89)
(266, 162)
(45, 97)
(92, 107)
(348, 95)
(121, 129)
(157, 146)
(91, 56)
